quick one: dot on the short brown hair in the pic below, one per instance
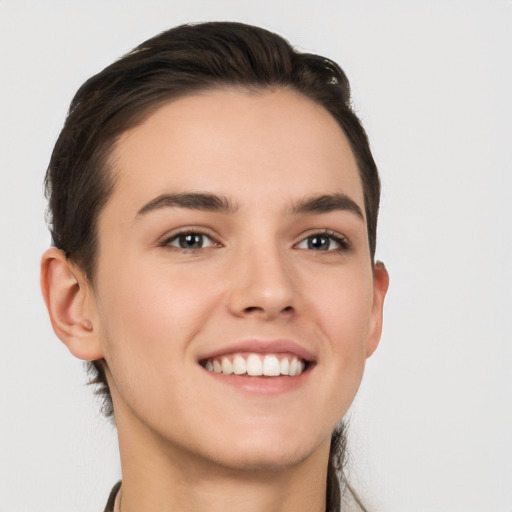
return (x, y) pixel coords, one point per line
(181, 61)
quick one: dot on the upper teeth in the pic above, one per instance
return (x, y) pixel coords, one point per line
(268, 365)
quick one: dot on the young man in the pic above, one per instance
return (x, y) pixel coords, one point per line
(214, 205)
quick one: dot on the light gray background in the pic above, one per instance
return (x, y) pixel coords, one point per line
(432, 425)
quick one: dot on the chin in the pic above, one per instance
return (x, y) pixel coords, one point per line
(270, 461)
(262, 452)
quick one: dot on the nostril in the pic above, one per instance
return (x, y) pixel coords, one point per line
(250, 309)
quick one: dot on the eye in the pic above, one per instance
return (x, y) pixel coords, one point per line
(324, 242)
(190, 240)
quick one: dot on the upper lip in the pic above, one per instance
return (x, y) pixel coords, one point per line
(262, 347)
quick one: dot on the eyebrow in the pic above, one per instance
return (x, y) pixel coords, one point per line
(205, 201)
(192, 201)
(327, 203)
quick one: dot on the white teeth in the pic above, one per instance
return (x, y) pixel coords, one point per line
(227, 367)
(257, 365)
(293, 366)
(254, 365)
(285, 366)
(239, 366)
(271, 366)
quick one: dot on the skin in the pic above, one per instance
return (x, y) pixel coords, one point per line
(188, 440)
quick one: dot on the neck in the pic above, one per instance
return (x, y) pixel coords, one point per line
(158, 477)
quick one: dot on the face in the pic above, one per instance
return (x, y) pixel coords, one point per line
(235, 241)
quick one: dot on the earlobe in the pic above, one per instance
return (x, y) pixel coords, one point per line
(69, 301)
(380, 288)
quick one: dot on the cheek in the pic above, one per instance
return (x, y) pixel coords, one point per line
(151, 312)
(150, 316)
(341, 307)
(342, 302)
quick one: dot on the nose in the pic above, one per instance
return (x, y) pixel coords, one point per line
(263, 284)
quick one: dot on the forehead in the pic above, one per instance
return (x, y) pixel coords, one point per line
(251, 145)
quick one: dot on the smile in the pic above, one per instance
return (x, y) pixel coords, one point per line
(255, 365)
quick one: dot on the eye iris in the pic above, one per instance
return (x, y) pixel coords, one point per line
(191, 241)
(319, 243)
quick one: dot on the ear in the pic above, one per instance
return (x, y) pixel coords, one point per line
(380, 288)
(70, 302)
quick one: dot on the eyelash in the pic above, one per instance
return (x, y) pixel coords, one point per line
(343, 243)
(167, 241)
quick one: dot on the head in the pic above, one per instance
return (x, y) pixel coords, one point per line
(186, 70)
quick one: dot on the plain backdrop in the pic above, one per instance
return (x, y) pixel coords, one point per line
(431, 428)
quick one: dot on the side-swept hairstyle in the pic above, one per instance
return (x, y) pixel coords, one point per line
(182, 61)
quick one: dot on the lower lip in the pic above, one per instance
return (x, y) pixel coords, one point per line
(262, 385)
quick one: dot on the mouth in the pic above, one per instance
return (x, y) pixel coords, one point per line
(253, 364)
